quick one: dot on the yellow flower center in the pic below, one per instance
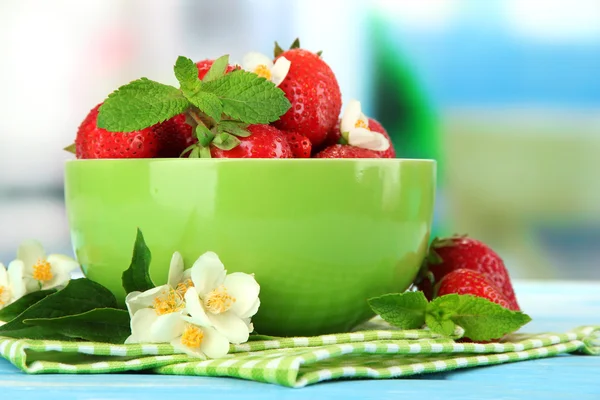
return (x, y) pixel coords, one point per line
(263, 71)
(4, 295)
(361, 124)
(218, 300)
(168, 302)
(192, 337)
(182, 287)
(42, 271)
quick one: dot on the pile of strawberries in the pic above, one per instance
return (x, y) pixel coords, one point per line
(310, 127)
(463, 265)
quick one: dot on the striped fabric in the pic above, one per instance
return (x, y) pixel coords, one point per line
(301, 361)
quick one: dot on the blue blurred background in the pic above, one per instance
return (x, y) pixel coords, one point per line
(505, 94)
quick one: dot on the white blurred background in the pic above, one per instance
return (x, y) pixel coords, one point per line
(504, 93)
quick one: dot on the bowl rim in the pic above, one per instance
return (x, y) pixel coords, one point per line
(255, 160)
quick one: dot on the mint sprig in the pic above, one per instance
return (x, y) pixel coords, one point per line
(481, 319)
(238, 97)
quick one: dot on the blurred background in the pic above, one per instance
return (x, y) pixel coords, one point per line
(505, 94)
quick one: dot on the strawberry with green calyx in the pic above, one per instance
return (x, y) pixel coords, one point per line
(218, 108)
(313, 92)
(461, 252)
(264, 141)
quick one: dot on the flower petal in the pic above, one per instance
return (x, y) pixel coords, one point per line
(179, 347)
(253, 59)
(138, 300)
(208, 272)
(3, 276)
(15, 279)
(30, 251)
(361, 137)
(351, 115)
(62, 264)
(166, 327)
(175, 270)
(245, 289)
(31, 285)
(231, 326)
(132, 307)
(195, 309)
(252, 310)
(141, 322)
(214, 345)
(280, 70)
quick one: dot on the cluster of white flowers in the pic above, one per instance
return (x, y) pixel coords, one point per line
(32, 270)
(200, 311)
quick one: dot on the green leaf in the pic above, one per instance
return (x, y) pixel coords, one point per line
(217, 69)
(106, 325)
(440, 325)
(140, 104)
(481, 318)
(404, 310)
(225, 141)
(208, 103)
(320, 53)
(71, 148)
(295, 44)
(249, 98)
(204, 135)
(234, 127)
(137, 276)
(277, 51)
(12, 310)
(79, 296)
(195, 153)
(186, 73)
(205, 152)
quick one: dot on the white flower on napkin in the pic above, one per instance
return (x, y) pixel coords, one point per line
(201, 342)
(226, 302)
(12, 286)
(354, 127)
(263, 66)
(42, 272)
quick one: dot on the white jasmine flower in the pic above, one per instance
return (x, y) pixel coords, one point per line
(226, 302)
(263, 66)
(201, 342)
(12, 286)
(41, 271)
(354, 127)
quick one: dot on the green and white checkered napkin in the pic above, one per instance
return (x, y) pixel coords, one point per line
(377, 353)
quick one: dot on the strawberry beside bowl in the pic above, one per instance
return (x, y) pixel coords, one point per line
(320, 235)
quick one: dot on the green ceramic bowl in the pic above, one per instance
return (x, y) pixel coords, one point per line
(321, 235)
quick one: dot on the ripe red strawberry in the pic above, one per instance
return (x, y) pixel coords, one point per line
(264, 141)
(94, 142)
(465, 281)
(204, 66)
(461, 252)
(175, 135)
(300, 145)
(346, 151)
(314, 94)
(334, 135)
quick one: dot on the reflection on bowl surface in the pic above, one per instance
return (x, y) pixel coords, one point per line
(320, 235)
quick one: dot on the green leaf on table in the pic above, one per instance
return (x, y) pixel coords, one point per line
(140, 104)
(186, 73)
(481, 318)
(79, 296)
(208, 103)
(442, 326)
(236, 128)
(13, 310)
(404, 310)
(107, 325)
(137, 276)
(217, 69)
(248, 98)
(225, 141)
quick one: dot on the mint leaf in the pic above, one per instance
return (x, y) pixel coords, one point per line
(439, 324)
(79, 296)
(248, 98)
(208, 103)
(481, 318)
(225, 141)
(137, 276)
(404, 310)
(186, 73)
(234, 127)
(12, 310)
(107, 325)
(140, 104)
(217, 69)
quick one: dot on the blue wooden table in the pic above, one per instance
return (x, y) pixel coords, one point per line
(554, 306)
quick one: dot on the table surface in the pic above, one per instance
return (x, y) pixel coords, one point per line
(555, 306)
